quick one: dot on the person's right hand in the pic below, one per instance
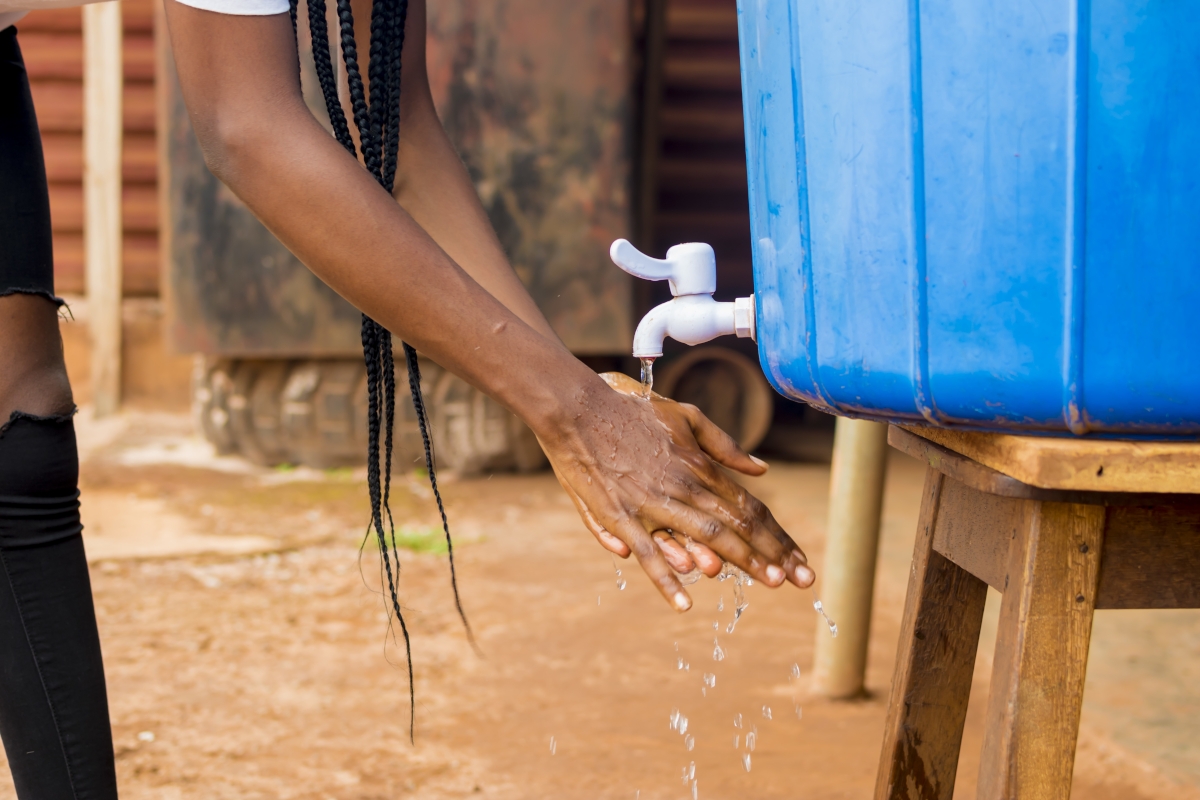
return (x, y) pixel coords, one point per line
(644, 475)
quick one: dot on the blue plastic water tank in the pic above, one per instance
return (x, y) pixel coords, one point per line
(978, 213)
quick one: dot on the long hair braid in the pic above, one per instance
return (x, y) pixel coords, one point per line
(377, 119)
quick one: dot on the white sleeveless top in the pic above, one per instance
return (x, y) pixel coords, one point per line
(13, 10)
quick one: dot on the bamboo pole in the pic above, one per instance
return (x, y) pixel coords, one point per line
(851, 547)
(102, 129)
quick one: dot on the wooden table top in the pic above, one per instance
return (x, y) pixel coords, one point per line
(1094, 465)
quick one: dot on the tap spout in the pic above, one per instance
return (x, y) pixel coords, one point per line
(691, 319)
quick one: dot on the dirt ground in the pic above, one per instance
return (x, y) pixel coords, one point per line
(248, 654)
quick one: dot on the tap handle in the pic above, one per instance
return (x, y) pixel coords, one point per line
(691, 268)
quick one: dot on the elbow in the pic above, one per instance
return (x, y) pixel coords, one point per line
(227, 141)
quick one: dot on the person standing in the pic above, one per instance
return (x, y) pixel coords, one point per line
(422, 260)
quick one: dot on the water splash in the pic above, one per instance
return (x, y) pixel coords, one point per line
(621, 582)
(647, 377)
(710, 680)
(718, 653)
(681, 664)
(740, 581)
(737, 614)
(833, 630)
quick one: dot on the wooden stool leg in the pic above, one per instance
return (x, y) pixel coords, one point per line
(936, 656)
(1041, 654)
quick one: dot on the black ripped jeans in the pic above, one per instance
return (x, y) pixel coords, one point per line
(53, 707)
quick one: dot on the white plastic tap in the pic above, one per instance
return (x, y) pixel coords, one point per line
(692, 316)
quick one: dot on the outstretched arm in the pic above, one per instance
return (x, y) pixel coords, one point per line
(634, 467)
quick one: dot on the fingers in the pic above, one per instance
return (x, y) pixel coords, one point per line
(607, 540)
(708, 562)
(675, 553)
(719, 445)
(741, 511)
(651, 559)
(707, 529)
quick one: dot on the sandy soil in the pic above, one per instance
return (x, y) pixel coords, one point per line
(248, 652)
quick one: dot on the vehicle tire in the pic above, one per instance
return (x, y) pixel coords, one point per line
(476, 434)
(318, 413)
(254, 410)
(315, 413)
(726, 385)
(212, 385)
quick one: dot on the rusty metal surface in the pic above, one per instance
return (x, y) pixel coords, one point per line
(535, 94)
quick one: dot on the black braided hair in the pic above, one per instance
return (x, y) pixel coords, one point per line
(377, 119)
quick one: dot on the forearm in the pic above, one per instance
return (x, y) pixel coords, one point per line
(373, 253)
(267, 147)
(433, 186)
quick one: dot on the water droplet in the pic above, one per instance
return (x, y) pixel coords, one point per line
(799, 711)
(689, 742)
(737, 614)
(553, 746)
(691, 771)
(683, 776)
(737, 738)
(597, 600)
(746, 761)
(647, 376)
(695, 790)
(683, 722)
(767, 712)
(795, 672)
(718, 653)
(751, 740)
(737, 721)
(715, 625)
(710, 680)
(721, 604)
(674, 719)
(833, 629)
(621, 584)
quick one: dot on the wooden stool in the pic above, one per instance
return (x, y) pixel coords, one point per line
(1061, 527)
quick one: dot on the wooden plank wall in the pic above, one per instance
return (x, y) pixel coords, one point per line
(52, 44)
(702, 195)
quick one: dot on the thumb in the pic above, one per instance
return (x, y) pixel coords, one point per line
(720, 446)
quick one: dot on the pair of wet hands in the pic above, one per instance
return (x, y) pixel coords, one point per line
(763, 548)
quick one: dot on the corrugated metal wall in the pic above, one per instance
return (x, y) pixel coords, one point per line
(700, 172)
(53, 48)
